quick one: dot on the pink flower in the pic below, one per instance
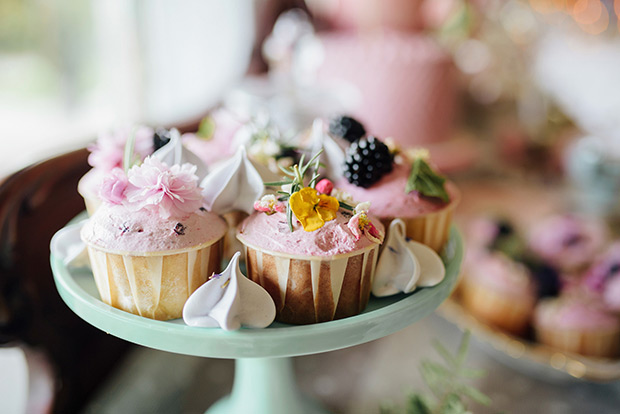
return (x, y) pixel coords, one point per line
(107, 152)
(269, 204)
(114, 186)
(170, 191)
(325, 186)
(361, 224)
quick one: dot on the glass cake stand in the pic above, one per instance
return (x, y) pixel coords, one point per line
(264, 379)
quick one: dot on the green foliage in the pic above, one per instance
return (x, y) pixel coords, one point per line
(295, 178)
(426, 181)
(206, 128)
(447, 383)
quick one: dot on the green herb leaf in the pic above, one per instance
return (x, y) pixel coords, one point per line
(418, 405)
(278, 183)
(426, 181)
(128, 155)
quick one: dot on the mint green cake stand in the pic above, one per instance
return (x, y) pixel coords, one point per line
(264, 379)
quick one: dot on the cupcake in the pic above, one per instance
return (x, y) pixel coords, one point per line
(568, 242)
(573, 324)
(151, 243)
(498, 291)
(314, 256)
(603, 277)
(106, 154)
(412, 191)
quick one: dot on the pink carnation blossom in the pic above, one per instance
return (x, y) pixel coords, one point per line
(325, 186)
(107, 152)
(169, 191)
(114, 186)
(361, 224)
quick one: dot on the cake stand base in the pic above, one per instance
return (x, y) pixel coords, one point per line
(265, 386)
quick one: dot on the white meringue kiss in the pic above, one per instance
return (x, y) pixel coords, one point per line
(230, 300)
(67, 245)
(233, 185)
(173, 152)
(405, 264)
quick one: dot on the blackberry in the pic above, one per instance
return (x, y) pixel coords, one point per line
(160, 138)
(366, 161)
(347, 128)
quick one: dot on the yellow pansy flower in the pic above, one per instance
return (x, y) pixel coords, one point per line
(313, 209)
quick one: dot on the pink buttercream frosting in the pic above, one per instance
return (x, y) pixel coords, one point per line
(116, 229)
(388, 198)
(573, 313)
(271, 233)
(567, 241)
(603, 277)
(495, 270)
(217, 147)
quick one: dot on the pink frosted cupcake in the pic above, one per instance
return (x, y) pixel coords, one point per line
(151, 244)
(603, 277)
(568, 242)
(315, 259)
(498, 291)
(106, 154)
(212, 142)
(414, 192)
(574, 324)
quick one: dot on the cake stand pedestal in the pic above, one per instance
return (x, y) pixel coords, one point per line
(264, 379)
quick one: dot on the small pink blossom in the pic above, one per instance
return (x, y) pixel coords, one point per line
(268, 204)
(107, 152)
(114, 186)
(361, 224)
(325, 186)
(170, 191)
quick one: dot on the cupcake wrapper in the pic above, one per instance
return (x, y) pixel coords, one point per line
(92, 204)
(592, 343)
(231, 244)
(314, 290)
(155, 287)
(504, 311)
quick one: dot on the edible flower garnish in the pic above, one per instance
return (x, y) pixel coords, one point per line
(114, 186)
(311, 208)
(360, 224)
(422, 177)
(107, 153)
(325, 186)
(269, 204)
(171, 191)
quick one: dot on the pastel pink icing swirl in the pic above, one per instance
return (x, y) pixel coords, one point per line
(573, 313)
(271, 232)
(388, 198)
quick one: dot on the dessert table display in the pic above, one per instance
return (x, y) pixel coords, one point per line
(264, 380)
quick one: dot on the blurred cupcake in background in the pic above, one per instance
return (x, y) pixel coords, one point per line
(574, 323)
(603, 277)
(568, 242)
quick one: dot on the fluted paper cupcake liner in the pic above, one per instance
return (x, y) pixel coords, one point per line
(231, 244)
(504, 311)
(314, 290)
(594, 343)
(153, 286)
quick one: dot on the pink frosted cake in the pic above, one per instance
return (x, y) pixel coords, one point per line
(405, 81)
(574, 324)
(603, 277)
(568, 242)
(314, 254)
(427, 216)
(213, 142)
(151, 244)
(498, 291)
